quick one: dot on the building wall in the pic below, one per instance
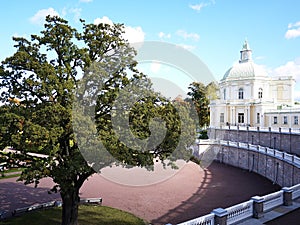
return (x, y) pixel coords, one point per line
(279, 115)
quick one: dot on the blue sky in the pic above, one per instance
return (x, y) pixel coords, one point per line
(214, 30)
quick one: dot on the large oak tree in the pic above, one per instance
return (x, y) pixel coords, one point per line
(37, 113)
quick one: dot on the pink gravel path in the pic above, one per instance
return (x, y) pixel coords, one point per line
(188, 194)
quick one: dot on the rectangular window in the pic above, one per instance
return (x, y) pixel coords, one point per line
(222, 118)
(241, 118)
(241, 93)
(275, 120)
(260, 93)
(296, 120)
(285, 120)
(257, 117)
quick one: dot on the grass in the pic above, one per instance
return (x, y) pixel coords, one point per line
(9, 176)
(11, 170)
(88, 215)
(6, 173)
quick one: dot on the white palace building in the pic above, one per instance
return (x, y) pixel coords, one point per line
(250, 97)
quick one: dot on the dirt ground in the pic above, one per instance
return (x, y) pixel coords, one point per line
(188, 194)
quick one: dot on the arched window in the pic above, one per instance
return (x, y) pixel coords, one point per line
(260, 93)
(241, 93)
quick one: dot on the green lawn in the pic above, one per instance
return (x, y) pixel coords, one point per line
(8, 173)
(88, 215)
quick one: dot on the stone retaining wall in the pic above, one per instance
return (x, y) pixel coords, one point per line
(277, 170)
(285, 141)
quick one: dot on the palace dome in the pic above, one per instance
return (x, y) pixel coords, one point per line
(245, 68)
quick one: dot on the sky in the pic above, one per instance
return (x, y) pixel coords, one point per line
(213, 30)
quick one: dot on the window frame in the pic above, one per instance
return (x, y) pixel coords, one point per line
(296, 120)
(241, 93)
(260, 93)
(257, 117)
(241, 118)
(275, 120)
(222, 118)
(285, 120)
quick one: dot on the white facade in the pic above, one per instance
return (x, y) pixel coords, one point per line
(248, 96)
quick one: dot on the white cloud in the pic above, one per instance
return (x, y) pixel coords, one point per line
(198, 7)
(76, 12)
(187, 47)
(201, 5)
(39, 17)
(297, 24)
(104, 20)
(164, 35)
(187, 35)
(293, 30)
(132, 34)
(292, 33)
(291, 68)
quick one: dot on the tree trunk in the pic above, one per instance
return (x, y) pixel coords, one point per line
(70, 201)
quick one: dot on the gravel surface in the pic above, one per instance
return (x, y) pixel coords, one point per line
(190, 193)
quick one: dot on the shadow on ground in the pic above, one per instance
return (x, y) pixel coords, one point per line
(15, 195)
(222, 186)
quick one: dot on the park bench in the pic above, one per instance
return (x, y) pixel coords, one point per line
(91, 201)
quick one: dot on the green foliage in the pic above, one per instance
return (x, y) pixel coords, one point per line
(200, 95)
(38, 83)
(203, 134)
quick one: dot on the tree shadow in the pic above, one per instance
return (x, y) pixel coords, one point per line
(16, 195)
(222, 186)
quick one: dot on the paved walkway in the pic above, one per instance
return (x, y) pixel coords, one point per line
(291, 218)
(190, 193)
(282, 215)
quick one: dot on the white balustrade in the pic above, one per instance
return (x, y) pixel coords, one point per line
(285, 130)
(270, 151)
(222, 142)
(264, 129)
(265, 150)
(295, 130)
(252, 147)
(288, 157)
(242, 128)
(232, 143)
(243, 145)
(272, 200)
(253, 128)
(208, 219)
(262, 149)
(279, 154)
(239, 212)
(296, 191)
(297, 161)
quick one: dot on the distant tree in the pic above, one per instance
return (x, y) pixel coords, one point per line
(200, 95)
(39, 99)
(212, 90)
